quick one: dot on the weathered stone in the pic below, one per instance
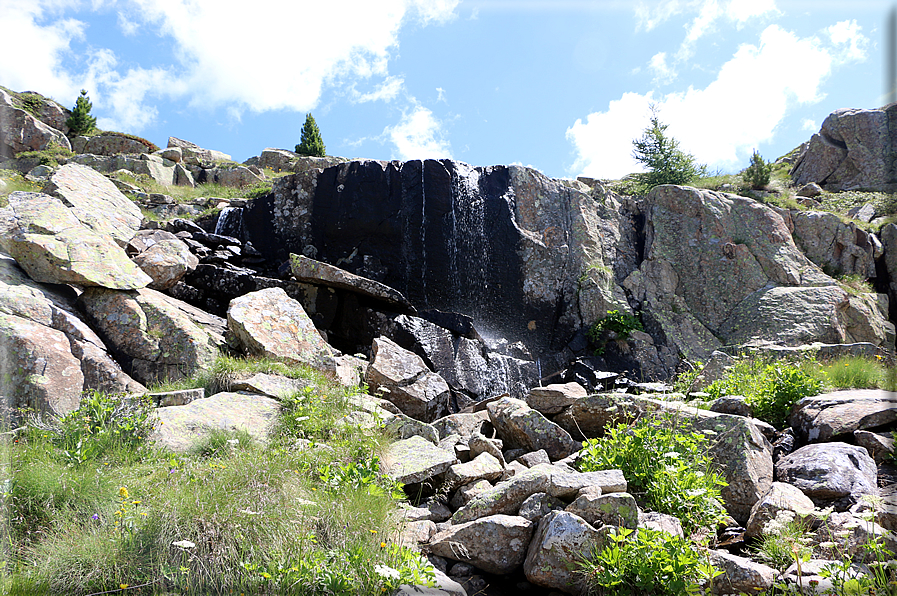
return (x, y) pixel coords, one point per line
(523, 427)
(415, 459)
(20, 131)
(810, 190)
(417, 532)
(537, 506)
(880, 446)
(533, 458)
(270, 323)
(152, 338)
(615, 509)
(467, 492)
(308, 270)
(828, 416)
(560, 539)
(839, 247)
(236, 176)
(735, 405)
(478, 444)
(779, 497)
(177, 398)
(163, 256)
(830, 472)
(552, 399)
(445, 586)
(482, 467)
(406, 381)
(507, 496)
(567, 484)
(660, 522)
(53, 246)
(740, 575)
(194, 154)
(181, 427)
(275, 386)
(403, 427)
(113, 144)
(496, 544)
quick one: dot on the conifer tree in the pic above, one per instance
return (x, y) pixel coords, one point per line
(666, 163)
(758, 173)
(311, 144)
(81, 122)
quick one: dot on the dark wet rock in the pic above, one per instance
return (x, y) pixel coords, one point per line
(830, 473)
(404, 379)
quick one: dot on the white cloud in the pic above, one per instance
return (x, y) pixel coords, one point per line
(809, 124)
(846, 35)
(721, 123)
(224, 54)
(650, 15)
(742, 10)
(662, 71)
(418, 136)
(440, 94)
(708, 14)
(386, 91)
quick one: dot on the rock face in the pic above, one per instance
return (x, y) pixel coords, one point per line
(821, 418)
(496, 544)
(405, 380)
(154, 339)
(113, 144)
(722, 269)
(53, 246)
(20, 131)
(270, 323)
(841, 248)
(830, 473)
(852, 151)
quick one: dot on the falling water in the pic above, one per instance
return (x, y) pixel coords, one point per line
(423, 233)
(230, 223)
(468, 239)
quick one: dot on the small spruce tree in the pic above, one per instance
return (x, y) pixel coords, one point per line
(757, 174)
(81, 122)
(311, 144)
(660, 153)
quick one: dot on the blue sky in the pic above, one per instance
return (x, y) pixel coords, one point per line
(560, 85)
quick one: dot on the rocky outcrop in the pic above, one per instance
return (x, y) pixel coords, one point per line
(21, 131)
(838, 247)
(852, 151)
(163, 256)
(194, 154)
(113, 144)
(831, 416)
(403, 379)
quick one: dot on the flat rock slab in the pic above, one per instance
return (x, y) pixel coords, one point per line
(180, 427)
(96, 202)
(270, 323)
(416, 459)
(315, 272)
(552, 399)
(275, 386)
(521, 426)
(496, 544)
(506, 497)
(53, 246)
(821, 418)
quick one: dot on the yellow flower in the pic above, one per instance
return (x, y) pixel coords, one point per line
(373, 531)
(123, 492)
(135, 502)
(122, 586)
(382, 545)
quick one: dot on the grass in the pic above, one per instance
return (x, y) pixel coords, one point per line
(47, 157)
(230, 516)
(854, 372)
(14, 182)
(186, 194)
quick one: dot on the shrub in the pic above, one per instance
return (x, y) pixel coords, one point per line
(770, 388)
(660, 153)
(311, 143)
(757, 174)
(615, 325)
(81, 122)
(664, 462)
(646, 562)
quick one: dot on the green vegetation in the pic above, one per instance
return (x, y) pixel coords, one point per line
(854, 372)
(615, 326)
(81, 122)
(14, 182)
(783, 540)
(665, 464)
(308, 513)
(757, 174)
(660, 153)
(770, 388)
(311, 143)
(646, 562)
(49, 156)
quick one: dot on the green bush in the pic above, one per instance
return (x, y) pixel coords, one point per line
(660, 153)
(770, 388)
(666, 464)
(646, 562)
(757, 174)
(311, 143)
(81, 122)
(616, 325)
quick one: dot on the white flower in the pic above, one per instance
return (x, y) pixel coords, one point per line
(183, 544)
(384, 571)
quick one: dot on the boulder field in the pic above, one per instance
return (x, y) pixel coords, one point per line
(462, 297)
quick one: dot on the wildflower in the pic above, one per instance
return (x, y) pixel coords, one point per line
(122, 586)
(94, 516)
(266, 575)
(136, 502)
(123, 492)
(382, 545)
(389, 572)
(372, 531)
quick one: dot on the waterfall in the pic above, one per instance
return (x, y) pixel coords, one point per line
(468, 240)
(230, 223)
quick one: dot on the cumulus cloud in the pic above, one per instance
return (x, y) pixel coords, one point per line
(847, 37)
(720, 123)
(809, 124)
(661, 68)
(388, 90)
(221, 53)
(419, 135)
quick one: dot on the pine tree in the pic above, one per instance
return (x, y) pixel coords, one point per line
(311, 144)
(666, 163)
(757, 174)
(81, 122)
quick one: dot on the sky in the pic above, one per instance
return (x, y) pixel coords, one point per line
(563, 86)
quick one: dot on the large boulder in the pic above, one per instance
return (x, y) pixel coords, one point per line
(838, 247)
(152, 338)
(53, 246)
(405, 380)
(496, 544)
(44, 340)
(830, 473)
(194, 154)
(21, 131)
(522, 427)
(779, 497)
(852, 151)
(560, 540)
(163, 256)
(722, 269)
(270, 323)
(113, 144)
(415, 460)
(821, 418)
(96, 202)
